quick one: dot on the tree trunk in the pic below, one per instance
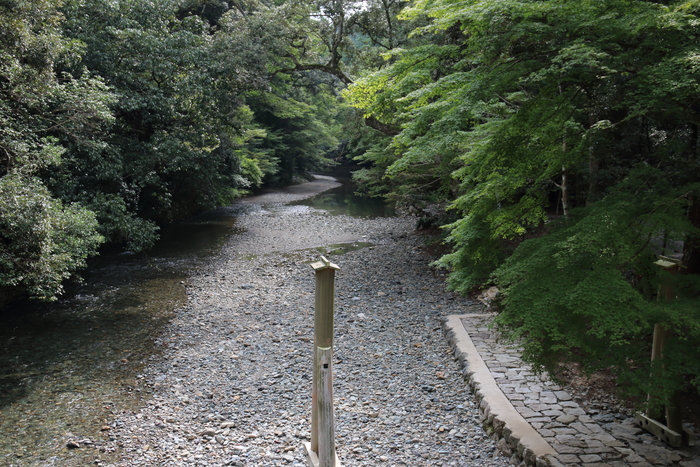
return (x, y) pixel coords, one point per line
(691, 247)
(389, 130)
(564, 192)
(593, 164)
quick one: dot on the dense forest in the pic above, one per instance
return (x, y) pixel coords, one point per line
(554, 142)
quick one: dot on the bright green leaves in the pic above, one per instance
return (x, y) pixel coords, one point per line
(587, 290)
(367, 94)
(42, 242)
(300, 129)
(544, 108)
(432, 114)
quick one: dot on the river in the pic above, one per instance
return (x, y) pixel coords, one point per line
(67, 367)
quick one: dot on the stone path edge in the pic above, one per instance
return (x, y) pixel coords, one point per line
(498, 412)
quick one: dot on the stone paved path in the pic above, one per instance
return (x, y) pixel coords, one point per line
(576, 437)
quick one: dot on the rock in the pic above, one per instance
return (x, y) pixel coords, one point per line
(566, 419)
(658, 455)
(389, 408)
(488, 295)
(603, 418)
(504, 448)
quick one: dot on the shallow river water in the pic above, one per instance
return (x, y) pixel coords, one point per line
(66, 367)
(343, 200)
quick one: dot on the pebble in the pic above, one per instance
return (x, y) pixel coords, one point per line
(237, 369)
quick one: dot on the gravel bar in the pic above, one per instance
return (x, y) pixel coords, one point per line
(233, 384)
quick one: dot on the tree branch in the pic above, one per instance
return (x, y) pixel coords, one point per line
(387, 129)
(338, 73)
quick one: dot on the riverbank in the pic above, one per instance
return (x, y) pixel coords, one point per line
(233, 383)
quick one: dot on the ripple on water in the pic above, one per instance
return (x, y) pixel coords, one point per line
(65, 367)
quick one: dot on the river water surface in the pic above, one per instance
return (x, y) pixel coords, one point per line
(67, 367)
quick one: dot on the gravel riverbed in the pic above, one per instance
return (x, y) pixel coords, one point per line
(232, 386)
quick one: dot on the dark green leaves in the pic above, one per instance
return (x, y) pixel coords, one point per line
(581, 109)
(42, 242)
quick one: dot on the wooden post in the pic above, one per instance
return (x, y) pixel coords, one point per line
(321, 451)
(664, 422)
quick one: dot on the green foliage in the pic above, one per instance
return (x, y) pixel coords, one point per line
(587, 290)
(42, 242)
(147, 112)
(418, 162)
(521, 112)
(118, 225)
(170, 152)
(299, 128)
(191, 131)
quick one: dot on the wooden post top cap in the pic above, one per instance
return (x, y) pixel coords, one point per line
(667, 263)
(324, 264)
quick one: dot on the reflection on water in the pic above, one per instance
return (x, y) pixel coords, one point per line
(66, 368)
(343, 200)
(200, 236)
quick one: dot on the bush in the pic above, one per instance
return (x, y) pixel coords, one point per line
(42, 242)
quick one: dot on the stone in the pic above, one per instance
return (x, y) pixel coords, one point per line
(590, 458)
(566, 419)
(571, 441)
(396, 403)
(574, 411)
(568, 459)
(504, 447)
(564, 431)
(656, 454)
(603, 418)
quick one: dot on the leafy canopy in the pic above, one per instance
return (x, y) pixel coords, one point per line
(563, 137)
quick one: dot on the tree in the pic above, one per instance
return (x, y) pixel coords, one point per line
(158, 110)
(42, 241)
(539, 104)
(180, 116)
(297, 107)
